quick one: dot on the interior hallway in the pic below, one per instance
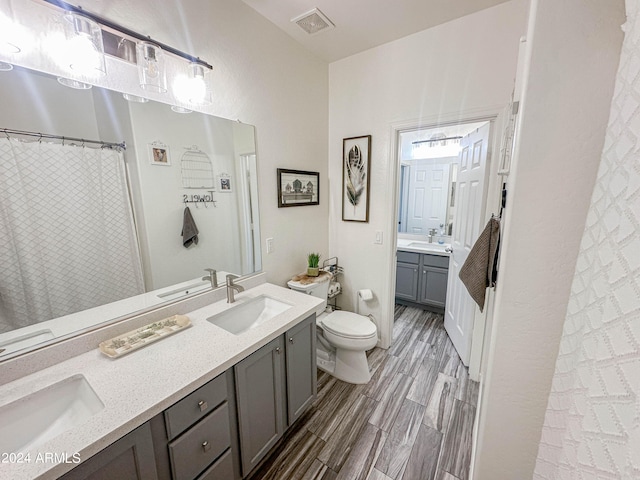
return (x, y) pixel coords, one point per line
(412, 421)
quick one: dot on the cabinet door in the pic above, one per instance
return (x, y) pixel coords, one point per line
(301, 368)
(260, 402)
(433, 290)
(407, 281)
(130, 458)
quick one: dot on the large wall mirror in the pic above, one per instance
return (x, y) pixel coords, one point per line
(91, 234)
(429, 162)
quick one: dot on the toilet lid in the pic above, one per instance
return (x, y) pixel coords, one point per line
(348, 324)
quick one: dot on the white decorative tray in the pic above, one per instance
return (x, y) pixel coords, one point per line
(140, 337)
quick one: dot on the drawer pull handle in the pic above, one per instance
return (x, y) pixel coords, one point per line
(206, 446)
(203, 405)
(290, 339)
(278, 350)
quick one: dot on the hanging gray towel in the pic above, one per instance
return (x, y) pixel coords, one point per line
(479, 270)
(189, 229)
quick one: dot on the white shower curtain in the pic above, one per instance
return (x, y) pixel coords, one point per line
(67, 238)
(592, 423)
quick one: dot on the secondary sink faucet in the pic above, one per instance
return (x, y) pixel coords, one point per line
(212, 277)
(232, 287)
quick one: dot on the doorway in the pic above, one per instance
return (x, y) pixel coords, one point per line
(441, 197)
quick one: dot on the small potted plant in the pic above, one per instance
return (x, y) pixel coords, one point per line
(313, 259)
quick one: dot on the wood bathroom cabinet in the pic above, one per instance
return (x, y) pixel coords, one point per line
(421, 280)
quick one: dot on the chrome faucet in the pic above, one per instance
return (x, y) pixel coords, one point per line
(432, 232)
(212, 277)
(231, 287)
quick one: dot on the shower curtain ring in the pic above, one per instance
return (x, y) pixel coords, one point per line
(7, 134)
(40, 138)
(82, 143)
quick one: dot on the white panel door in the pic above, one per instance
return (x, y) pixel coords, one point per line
(470, 201)
(428, 189)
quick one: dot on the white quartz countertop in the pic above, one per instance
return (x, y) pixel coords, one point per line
(137, 386)
(418, 246)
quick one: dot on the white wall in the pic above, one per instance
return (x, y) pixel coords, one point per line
(573, 49)
(465, 65)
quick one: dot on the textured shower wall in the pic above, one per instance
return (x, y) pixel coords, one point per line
(592, 423)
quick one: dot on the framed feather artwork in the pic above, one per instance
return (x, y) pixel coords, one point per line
(356, 163)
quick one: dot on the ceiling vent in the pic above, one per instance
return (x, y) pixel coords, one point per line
(314, 21)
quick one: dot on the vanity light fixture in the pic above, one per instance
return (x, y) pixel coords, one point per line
(84, 49)
(151, 70)
(148, 55)
(193, 87)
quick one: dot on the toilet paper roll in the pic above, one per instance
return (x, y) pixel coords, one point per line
(365, 294)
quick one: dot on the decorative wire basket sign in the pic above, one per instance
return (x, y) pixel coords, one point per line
(197, 171)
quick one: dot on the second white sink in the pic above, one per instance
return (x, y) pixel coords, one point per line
(249, 314)
(42, 415)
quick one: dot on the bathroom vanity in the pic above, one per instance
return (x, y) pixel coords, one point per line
(201, 404)
(422, 271)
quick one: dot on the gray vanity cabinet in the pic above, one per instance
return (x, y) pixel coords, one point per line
(131, 457)
(260, 391)
(274, 386)
(301, 368)
(407, 268)
(421, 280)
(222, 430)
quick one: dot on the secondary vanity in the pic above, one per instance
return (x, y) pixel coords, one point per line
(203, 403)
(422, 271)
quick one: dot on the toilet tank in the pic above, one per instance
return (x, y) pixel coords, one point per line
(318, 287)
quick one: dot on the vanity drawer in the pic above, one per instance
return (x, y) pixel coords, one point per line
(193, 407)
(222, 469)
(408, 257)
(435, 261)
(200, 445)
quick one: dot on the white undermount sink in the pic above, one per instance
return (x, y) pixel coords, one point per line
(32, 420)
(249, 314)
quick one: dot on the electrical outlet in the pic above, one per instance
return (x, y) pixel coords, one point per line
(378, 239)
(269, 245)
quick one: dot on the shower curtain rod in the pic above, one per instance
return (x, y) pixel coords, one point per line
(9, 131)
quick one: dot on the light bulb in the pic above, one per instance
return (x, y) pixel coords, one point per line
(151, 70)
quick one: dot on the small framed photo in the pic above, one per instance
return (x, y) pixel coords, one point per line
(159, 154)
(298, 188)
(356, 164)
(225, 184)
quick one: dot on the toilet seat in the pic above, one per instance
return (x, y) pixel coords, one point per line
(349, 325)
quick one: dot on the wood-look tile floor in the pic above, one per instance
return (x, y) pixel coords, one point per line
(412, 421)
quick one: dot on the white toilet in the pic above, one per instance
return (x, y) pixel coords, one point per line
(343, 337)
